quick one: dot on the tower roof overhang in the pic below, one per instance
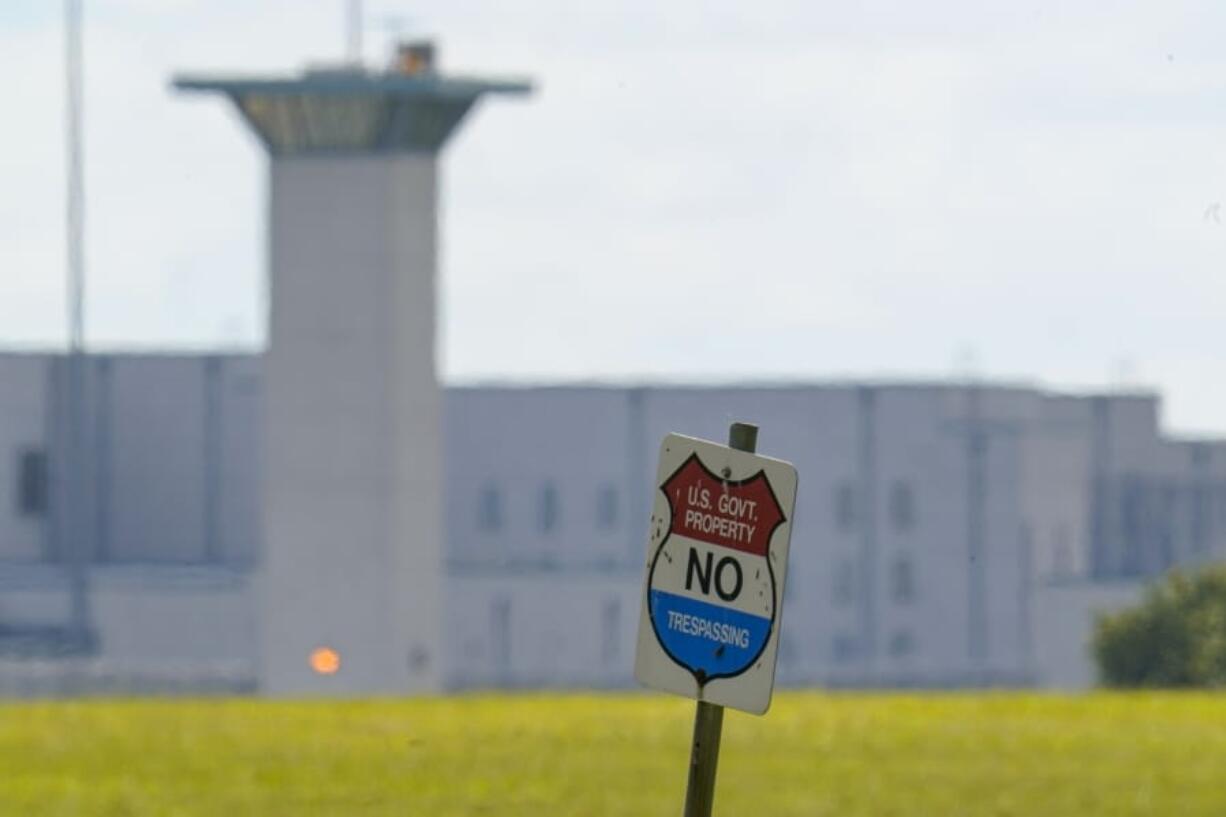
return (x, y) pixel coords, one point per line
(352, 110)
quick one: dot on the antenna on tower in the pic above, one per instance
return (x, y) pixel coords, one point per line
(72, 472)
(76, 186)
(354, 25)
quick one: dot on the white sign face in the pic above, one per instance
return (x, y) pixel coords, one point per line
(716, 557)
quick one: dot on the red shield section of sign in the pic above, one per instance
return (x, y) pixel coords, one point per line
(739, 515)
(712, 594)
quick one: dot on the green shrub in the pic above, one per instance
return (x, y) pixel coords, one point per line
(1175, 638)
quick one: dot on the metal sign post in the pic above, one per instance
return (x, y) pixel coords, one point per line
(704, 758)
(708, 717)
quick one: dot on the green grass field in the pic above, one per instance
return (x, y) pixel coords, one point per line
(538, 755)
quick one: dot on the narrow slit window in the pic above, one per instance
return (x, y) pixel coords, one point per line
(606, 508)
(489, 509)
(547, 510)
(32, 483)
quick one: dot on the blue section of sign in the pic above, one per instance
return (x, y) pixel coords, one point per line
(717, 641)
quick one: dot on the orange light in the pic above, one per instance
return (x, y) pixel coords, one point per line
(325, 660)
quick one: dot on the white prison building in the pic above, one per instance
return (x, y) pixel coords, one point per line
(945, 535)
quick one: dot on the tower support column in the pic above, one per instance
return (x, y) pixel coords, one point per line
(352, 559)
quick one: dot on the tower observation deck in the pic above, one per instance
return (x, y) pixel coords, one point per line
(411, 108)
(352, 554)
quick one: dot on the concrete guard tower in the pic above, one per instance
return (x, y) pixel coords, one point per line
(350, 584)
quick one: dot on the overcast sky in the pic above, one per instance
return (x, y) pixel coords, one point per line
(700, 190)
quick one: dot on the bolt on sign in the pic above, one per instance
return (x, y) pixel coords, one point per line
(717, 555)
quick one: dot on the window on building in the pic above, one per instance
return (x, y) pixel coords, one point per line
(845, 507)
(547, 508)
(902, 580)
(787, 650)
(606, 507)
(1131, 534)
(902, 506)
(500, 635)
(902, 644)
(489, 508)
(610, 632)
(1062, 552)
(1202, 516)
(844, 648)
(418, 659)
(844, 583)
(32, 482)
